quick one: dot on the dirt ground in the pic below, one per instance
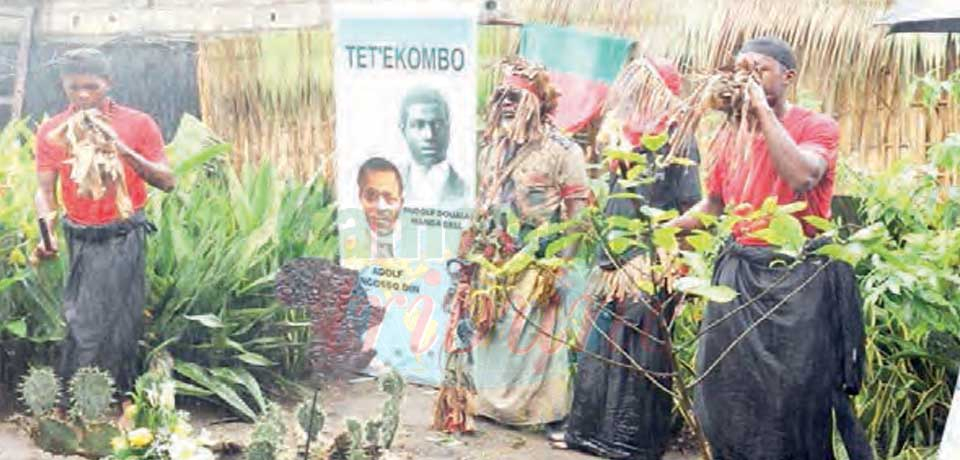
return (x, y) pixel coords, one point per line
(362, 400)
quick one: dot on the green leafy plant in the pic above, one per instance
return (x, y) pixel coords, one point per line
(223, 235)
(908, 259)
(154, 428)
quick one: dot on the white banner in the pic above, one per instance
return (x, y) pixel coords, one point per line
(405, 86)
(406, 95)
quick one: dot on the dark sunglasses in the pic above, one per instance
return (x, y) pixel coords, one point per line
(91, 87)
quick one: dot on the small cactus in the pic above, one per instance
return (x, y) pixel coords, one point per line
(261, 451)
(92, 393)
(305, 412)
(390, 422)
(270, 427)
(56, 437)
(96, 439)
(40, 390)
(374, 433)
(392, 384)
(355, 429)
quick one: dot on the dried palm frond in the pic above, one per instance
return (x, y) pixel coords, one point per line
(454, 409)
(640, 87)
(96, 167)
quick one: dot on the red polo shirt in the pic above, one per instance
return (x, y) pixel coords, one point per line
(757, 179)
(136, 129)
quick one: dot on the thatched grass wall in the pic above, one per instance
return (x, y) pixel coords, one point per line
(273, 95)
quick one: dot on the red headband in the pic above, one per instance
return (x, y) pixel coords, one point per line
(518, 82)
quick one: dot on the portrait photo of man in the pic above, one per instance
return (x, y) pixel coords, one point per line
(425, 124)
(380, 188)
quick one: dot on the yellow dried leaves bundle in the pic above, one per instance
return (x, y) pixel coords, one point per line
(93, 154)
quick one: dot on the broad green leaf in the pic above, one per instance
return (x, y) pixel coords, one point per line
(702, 288)
(236, 346)
(686, 283)
(645, 285)
(682, 161)
(869, 233)
(790, 231)
(636, 171)
(707, 220)
(666, 238)
(620, 245)
(719, 294)
(188, 164)
(701, 241)
(240, 376)
(8, 282)
(624, 223)
(545, 231)
(654, 143)
(17, 328)
(187, 389)
(553, 262)
(560, 244)
(208, 320)
(851, 253)
(630, 157)
(768, 207)
(255, 359)
(820, 223)
(219, 388)
(252, 386)
(625, 196)
(659, 215)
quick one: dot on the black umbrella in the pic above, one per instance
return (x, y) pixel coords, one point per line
(922, 16)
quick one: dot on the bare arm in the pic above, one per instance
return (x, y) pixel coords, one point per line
(710, 204)
(156, 174)
(47, 207)
(801, 167)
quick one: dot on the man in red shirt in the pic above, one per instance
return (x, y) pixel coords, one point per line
(776, 360)
(104, 297)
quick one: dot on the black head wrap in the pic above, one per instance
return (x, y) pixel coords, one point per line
(771, 47)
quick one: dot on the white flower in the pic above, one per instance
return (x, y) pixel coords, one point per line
(167, 395)
(182, 428)
(182, 448)
(153, 396)
(205, 439)
(203, 454)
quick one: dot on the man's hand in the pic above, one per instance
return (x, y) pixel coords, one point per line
(41, 253)
(103, 125)
(756, 97)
